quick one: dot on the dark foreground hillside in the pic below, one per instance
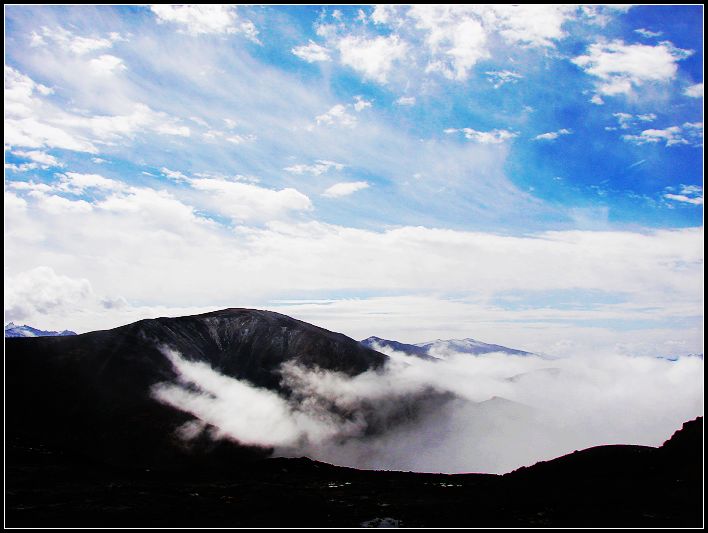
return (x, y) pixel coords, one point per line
(603, 486)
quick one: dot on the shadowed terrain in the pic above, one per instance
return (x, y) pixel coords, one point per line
(604, 486)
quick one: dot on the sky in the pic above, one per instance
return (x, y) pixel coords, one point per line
(524, 175)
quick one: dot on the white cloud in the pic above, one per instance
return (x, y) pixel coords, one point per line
(688, 194)
(23, 121)
(312, 52)
(31, 186)
(508, 411)
(694, 91)
(464, 42)
(109, 127)
(495, 136)
(174, 174)
(374, 57)
(406, 100)
(22, 167)
(42, 158)
(77, 183)
(457, 37)
(58, 205)
(530, 25)
(247, 202)
(159, 240)
(671, 136)
(234, 138)
(620, 67)
(337, 115)
(360, 103)
(42, 291)
(240, 139)
(319, 167)
(627, 120)
(698, 200)
(264, 415)
(48, 195)
(345, 188)
(648, 34)
(552, 135)
(75, 44)
(205, 19)
(220, 176)
(107, 64)
(33, 122)
(689, 133)
(501, 77)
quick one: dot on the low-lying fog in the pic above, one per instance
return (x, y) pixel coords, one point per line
(490, 413)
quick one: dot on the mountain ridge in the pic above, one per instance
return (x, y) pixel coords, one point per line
(441, 348)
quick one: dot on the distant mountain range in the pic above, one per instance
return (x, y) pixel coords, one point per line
(437, 349)
(440, 349)
(13, 330)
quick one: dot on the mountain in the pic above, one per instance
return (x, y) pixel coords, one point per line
(91, 392)
(13, 330)
(87, 445)
(440, 349)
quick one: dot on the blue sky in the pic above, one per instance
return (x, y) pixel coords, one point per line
(410, 138)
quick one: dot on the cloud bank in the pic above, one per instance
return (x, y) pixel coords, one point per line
(463, 414)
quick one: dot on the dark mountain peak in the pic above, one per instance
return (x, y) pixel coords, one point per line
(252, 343)
(90, 388)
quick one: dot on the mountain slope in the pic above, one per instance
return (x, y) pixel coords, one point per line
(409, 349)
